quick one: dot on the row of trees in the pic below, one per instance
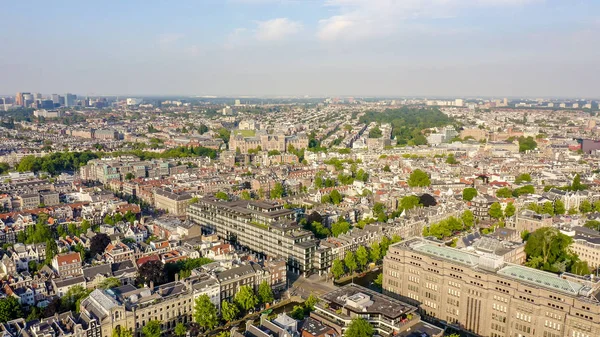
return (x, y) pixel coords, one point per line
(363, 256)
(447, 227)
(58, 162)
(496, 212)
(207, 315)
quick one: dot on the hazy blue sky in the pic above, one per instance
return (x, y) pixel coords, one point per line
(302, 47)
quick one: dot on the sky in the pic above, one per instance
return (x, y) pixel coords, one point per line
(455, 48)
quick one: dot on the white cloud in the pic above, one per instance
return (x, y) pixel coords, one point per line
(277, 29)
(357, 19)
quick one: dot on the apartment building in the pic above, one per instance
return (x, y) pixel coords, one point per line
(267, 142)
(67, 264)
(175, 203)
(487, 296)
(131, 308)
(263, 227)
(528, 220)
(586, 244)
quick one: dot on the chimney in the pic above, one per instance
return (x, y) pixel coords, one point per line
(176, 277)
(151, 285)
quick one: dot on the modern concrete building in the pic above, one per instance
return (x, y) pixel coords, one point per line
(263, 227)
(484, 295)
(387, 316)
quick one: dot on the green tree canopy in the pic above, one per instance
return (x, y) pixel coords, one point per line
(229, 311)
(152, 329)
(469, 193)
(110, 282)
(350, 262)
(10, 309)
(504, 192)
(205, 312)
(340, 227)
(509, 210)
(337, 268)
(495, 211)
(559, 207)
(180, 329)
(523, 177)
(547, 248)
(362, 256)
(418, 178)
(222, 196)
(585, 206)
(277, 191)
(359, 327)
(265, 293)
(245, 298)
(375, 252)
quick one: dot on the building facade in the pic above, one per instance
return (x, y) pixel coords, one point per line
(263, 227)
(484, 295)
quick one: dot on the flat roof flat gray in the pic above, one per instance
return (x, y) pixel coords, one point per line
(541, 278)
(454, 255)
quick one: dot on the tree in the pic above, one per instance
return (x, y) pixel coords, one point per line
(340, 227)
(337, 268)
(469, 193)
(245, 195)
(229, 311)
(467, 218)
(109, 220)
(265, 293)
(495, 211)
(152, 271)
(10, 309)
(277, 192)
(527, 144)
(585, 207)
(129, 176)
(510, 210)
(559, 207)
(362, 256)
(375, 252)
(379, 280)
(580, 268)
(152, 329)
(386, 168)
(577, 185)
(245, 298)
(99, 243)
(51, 251)
(111, 282)
(523, 177)
(119, 332)
(504, 192)
(350, 262)
(222, 196)
(548, 208)
(451, 160)
(409, 202)
(180, 329)
(549, 244)
(418, 178)
(205, 312)
(359, 327)
(72, 297)
(336, 197)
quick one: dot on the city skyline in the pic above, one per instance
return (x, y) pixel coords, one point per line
(316, 48)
